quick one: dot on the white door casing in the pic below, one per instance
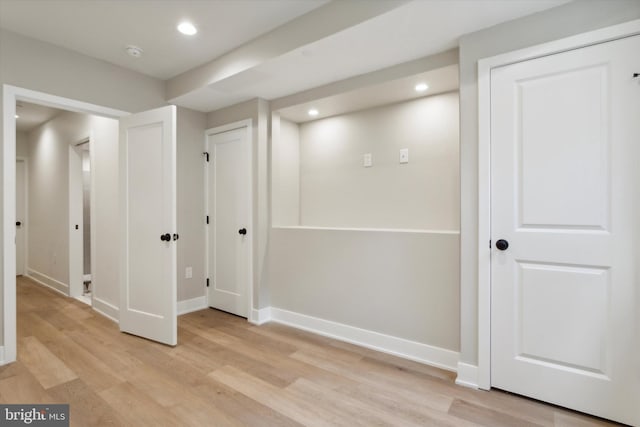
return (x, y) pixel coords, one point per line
(148, 296)
(229, 234)
(21, 217)
(76, 221)
(564, 185)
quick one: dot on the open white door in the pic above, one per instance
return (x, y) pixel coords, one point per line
(148, 220)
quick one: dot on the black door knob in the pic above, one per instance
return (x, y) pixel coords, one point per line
(242, 231)
(18, 223)
(502, 245)
(165, 237)
(176, 237)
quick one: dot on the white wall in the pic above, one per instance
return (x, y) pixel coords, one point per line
(285, 176)
(191, 216)
(572, 18)
(337, 191)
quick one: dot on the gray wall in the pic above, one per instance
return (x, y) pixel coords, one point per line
(570, 19)
(49, 201)
(22, 144)
(336, 190)
(396, 283)
(285, 175)
(190, 187)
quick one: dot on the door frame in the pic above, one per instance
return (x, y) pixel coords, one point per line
(77, 249)
(485, 66)
(248, 124)
(25, 223)
(10, 95)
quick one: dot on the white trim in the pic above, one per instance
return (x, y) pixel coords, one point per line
(48, 281)
(25, 220)
(2, 362)
(11, 94)
(261, 316)
(107, 309)
(248, 124)
(193, 304)
(412, 350)
(467, 375)
(381, 230)
(484, 166)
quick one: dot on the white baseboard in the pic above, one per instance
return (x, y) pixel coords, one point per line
(191, 305)
(259, 317)
(423, 353)
(107, 309)
(2, 362)
(467, 375)
(49, 282)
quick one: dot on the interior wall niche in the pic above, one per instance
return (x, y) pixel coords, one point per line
(346, 171)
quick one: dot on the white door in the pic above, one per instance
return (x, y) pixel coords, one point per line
(565, 132)
(21, 200)
(229, 232)
(148, 299)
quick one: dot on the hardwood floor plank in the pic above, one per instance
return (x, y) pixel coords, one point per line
(44, 365)
(291, 405)
(485, 416)
(137, 408)
(88, 408)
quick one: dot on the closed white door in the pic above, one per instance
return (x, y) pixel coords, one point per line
(148, 298)
(565, 138)
(21, 200)
(229, 233)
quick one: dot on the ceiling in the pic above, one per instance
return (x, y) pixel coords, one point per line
(33, 115)
(399, 31)
(440, 80)
(103, 28)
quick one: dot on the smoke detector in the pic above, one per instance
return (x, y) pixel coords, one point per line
(134, 51)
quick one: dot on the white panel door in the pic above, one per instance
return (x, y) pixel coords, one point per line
(148, 298)
(21, 200)
(229, 231)
(565, 132)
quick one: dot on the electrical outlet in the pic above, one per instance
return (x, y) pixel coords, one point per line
(404, 155)
(188, 273)
(367, 160)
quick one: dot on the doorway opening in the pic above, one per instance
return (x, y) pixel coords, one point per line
(12, 96)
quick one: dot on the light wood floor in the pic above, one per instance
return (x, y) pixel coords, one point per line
(225, 372)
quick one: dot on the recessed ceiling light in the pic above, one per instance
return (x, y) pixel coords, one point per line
(134, 51)
(17, 116)
(187, 28)
(421, 87)
(313, 112)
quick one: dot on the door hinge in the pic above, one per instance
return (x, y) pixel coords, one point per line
(489, 244)
(207, 219)
(206, 156)
(207, 282)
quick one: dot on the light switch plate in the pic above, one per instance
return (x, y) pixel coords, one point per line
(367, 160)
(404, 155)
(188, 273)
